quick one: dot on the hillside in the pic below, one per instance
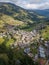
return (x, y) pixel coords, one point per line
(15, 12)
(17, 16)
(44, 12)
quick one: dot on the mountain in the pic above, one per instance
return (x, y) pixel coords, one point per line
(15, 15)
(17, 12)
(44, 12)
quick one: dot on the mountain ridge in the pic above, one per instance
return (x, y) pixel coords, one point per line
(44, 12)
(17, 16)
(10, 9)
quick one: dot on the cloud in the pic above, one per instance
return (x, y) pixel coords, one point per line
(27, 1)
(30, 4)
(37, 6)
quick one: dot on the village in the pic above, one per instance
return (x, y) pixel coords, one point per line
(31, 42)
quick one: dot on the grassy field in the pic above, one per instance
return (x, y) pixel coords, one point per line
(45, 33)
(1, 40)
(10, 20)
(9, 42)
(1, 24)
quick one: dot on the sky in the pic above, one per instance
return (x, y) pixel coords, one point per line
(30, 4)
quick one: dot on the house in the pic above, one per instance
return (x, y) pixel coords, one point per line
(41, 51)
(47, 50)
(36, 57)
(30, 55)
(27, 50)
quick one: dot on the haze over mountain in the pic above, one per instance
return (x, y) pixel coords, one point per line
(44, 12)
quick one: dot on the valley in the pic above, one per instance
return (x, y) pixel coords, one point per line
(24, 36)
